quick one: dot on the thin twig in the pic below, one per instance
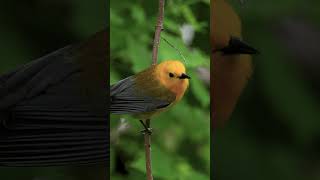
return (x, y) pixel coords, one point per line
(157, 33)
(156, 41)
(147, 146)
(184, 59)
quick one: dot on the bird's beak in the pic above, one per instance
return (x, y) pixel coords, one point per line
(236, 46)
(184, 76)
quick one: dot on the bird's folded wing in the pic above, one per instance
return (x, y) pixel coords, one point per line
(46, 118)
(48, 147)
(133, 104)
(35, 77)
(36, 134)
(126, 100)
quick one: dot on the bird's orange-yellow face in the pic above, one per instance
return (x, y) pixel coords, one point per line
(172, 75)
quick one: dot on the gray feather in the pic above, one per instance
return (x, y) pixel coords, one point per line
(126, 99)
(46, 115)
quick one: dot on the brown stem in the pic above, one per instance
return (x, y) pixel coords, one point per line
(147, 146)
(157, 33)
(156, 41)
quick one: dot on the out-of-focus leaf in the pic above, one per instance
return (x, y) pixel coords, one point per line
(138, 14)
(199, 90)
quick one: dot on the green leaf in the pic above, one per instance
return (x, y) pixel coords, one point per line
(199, 90)
(138, 14)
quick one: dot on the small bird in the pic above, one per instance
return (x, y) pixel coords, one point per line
(53, 110)
(151, 91)
(231, 64)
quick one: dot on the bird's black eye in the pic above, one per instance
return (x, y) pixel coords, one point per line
(171, 75)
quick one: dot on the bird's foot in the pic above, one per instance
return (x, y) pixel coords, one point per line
(147, 129)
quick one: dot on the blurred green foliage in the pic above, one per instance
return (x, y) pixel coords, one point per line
(181, 136)
(274, 132)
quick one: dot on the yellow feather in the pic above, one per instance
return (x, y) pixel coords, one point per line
(156, 82)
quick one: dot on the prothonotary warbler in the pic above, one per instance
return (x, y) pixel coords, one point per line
(231, 64)
(151, 91)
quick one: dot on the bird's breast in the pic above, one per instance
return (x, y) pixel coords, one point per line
(179, 89)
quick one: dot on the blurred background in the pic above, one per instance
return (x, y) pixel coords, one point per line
(181, 136)
(31, 29)
(274, 132)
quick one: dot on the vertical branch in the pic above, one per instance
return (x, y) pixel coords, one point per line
(147, 146)
(156, 41)
(157, 33)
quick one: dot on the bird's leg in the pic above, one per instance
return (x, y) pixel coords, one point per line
(146, 126)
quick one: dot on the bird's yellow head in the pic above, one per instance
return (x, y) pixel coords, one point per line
(172, 75)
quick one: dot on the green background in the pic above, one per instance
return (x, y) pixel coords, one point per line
(274, 132)
(181, 136)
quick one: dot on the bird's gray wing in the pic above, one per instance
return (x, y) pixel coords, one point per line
(126, 100)
(46, 118)
(34, 77)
